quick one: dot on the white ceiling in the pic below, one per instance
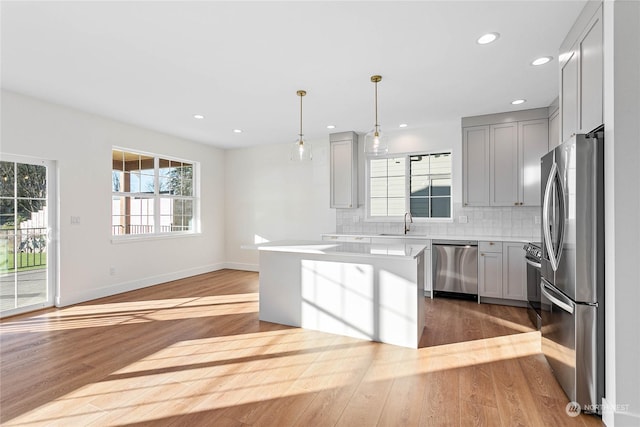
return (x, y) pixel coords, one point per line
(156, 64)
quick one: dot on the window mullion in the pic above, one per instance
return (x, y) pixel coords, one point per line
(156, 193)
(407, 185)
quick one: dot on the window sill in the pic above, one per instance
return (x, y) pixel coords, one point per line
(148, 237)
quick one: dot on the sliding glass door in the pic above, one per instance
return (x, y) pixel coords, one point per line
(27, 217)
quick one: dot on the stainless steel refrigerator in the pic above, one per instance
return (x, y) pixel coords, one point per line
(572, 283)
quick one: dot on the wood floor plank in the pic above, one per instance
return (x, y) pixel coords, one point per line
(193, 352)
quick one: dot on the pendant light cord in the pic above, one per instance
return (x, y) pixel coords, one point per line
(300, 118)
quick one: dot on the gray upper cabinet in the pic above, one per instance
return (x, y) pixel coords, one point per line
(533, 143)
(475, 159)
(504, 164)
(554, 128)
(501, 159)
(343, 152)
(581, 73)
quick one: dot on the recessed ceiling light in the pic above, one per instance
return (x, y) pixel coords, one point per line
(331, 126)
(198, 116)
(237, 131)
(542, 60)
(518, 101)
(403, 125)
(488, 38)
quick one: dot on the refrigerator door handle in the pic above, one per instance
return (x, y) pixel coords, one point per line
(566, 306)
(546, 201)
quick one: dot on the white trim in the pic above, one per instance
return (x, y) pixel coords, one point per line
(242, 266)
(78, 297)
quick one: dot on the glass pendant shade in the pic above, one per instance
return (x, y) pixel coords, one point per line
(301, 150)
(375, 143)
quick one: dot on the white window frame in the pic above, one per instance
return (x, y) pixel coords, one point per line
(157, 198)
(400, 218)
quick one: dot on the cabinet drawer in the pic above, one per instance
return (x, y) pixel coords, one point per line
(490, 246)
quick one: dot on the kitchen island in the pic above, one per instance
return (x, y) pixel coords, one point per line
(368, 291)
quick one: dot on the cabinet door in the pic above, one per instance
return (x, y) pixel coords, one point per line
(503, 143)
(514, 281)
(569, 96)
(343, 177)
(533, 143)
(490, 274)
(475, 168)
(591, 68)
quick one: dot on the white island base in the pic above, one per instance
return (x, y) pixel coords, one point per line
(373, 292)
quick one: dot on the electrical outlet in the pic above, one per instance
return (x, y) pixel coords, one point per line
(355, 218)
(75, 220)
(112, 271)
(463, 219)
(536, 219)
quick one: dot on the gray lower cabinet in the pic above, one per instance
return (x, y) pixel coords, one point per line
(490, 269)
(514, 272)
(502, 271)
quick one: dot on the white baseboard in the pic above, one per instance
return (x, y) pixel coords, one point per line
(241, 266)
(64, 300)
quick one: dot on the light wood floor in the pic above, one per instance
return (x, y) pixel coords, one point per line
(193, 352)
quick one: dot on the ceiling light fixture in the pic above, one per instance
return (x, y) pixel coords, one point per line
(403, 125)
(237, 131)
(331, 126)
(198, 116)
(518, 101)
(301, 151)
(375, 143)
(542, 60)
(488, 38)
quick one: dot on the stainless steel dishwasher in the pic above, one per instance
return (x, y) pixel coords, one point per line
(455, 268)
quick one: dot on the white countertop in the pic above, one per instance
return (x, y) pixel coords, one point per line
(393, 250)
(435, 237)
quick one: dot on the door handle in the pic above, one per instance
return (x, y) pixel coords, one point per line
(563, 305)
(545, 216)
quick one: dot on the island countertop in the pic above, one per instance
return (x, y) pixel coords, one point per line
(394, 250)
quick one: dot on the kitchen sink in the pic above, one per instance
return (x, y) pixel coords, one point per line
(392, 234)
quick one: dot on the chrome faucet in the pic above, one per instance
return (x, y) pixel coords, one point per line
(406, 227)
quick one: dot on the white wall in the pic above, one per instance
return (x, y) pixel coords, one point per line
(622, 228)
(81, 144)
(267, 196)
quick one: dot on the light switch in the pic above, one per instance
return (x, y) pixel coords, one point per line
(75, 220)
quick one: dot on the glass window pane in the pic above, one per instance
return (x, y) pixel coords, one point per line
(7, 175)
(440, 163)
(377, 167)
(378, 187)
(31, 181)
(419, 186)
(378, 207)
(133, 181)
(7, 209)
(441, 187)
(396, 166)
(116, 181)
(396, 186)
(396, 207)
(146, 183)
(419, 207)
(441, 207)
(419, 165)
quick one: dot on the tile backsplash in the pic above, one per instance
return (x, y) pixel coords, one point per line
(481, 221)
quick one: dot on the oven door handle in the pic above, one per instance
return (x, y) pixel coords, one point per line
(533, 263)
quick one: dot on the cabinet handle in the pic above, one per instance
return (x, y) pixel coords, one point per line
(516, 203)
(491, 243)
(481, 254)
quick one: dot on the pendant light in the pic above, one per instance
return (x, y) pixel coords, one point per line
(301, 150)
(375, 143)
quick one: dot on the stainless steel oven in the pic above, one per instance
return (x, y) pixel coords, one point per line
(533, 255)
